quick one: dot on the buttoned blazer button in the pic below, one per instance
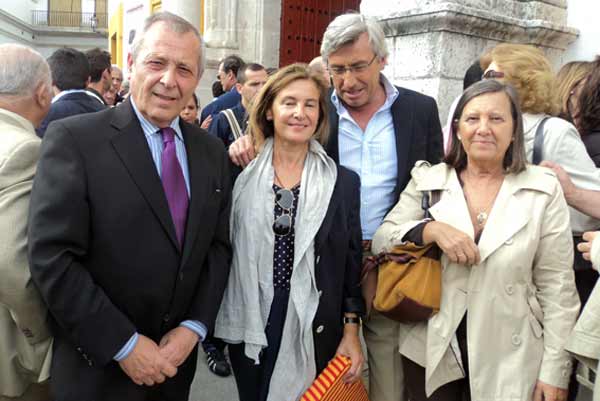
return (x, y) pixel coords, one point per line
(565, 373)
(516, 340)
(509, 289)
(320, 329)
(568, 364)
(166, 318)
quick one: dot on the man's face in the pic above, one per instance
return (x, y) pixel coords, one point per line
(356, 89)
(227, 79)
(117, 79)
(255, 80)
(165, 73)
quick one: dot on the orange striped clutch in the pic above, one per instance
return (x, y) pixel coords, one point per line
(330, 387)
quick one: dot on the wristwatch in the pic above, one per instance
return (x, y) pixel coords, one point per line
(352, 320)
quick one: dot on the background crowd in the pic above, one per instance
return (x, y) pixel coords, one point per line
(138, 224)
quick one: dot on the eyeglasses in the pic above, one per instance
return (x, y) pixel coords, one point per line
(283, 224)
(340, 70)
(491, 74)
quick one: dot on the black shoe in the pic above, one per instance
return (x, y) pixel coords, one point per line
(217, 363)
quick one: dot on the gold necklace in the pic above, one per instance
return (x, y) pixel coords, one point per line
(482, 214)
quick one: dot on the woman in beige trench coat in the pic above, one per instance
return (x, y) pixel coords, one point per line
(508, 293)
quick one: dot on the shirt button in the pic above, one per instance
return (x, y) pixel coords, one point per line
(510, 289)
(320, 329)
(166, 318)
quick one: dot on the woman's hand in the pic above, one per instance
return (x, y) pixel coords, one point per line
(585, 247)
(547, 392)
(457, 246)
(350, 348)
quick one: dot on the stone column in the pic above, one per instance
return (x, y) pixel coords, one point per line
(433, 42)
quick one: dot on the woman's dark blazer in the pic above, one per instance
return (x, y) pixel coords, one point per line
(338, 253)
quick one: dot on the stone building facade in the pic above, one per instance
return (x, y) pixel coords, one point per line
(432, 42)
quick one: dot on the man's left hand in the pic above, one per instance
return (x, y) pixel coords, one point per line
(177, 344)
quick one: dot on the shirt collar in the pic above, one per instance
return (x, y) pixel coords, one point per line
(151, 129)
(66, 92)
(391, 93)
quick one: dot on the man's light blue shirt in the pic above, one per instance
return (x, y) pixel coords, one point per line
(372, 155)
(155, 143)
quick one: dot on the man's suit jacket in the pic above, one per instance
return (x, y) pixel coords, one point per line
(418, 133)
(25, 340)
(226, 101)
(105, 255)
(69, 105)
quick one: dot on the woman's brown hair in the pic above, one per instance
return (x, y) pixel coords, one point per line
(568, 78)
(261, 128)
(588, 118)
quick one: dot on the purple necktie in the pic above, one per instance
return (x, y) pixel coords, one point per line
(174, 183)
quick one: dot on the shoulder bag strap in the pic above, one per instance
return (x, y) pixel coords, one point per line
(538, 143)
(235, 127)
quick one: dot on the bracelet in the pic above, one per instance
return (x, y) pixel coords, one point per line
(352, 320)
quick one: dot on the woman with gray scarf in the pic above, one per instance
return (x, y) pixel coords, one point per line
(293, 299)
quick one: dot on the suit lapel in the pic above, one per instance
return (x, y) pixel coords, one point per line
(198, 169)
(132, 148)
(402, 116)
(328, 221)
(333, 143)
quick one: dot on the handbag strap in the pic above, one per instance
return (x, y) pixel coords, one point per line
(235, 127)
(538, 142)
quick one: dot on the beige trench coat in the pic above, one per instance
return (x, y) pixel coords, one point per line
(521, 298)
(25, 342)
(584, 341)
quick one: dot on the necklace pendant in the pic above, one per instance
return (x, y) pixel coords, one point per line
(481, 218)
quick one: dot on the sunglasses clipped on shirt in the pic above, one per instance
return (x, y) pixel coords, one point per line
(283, 224)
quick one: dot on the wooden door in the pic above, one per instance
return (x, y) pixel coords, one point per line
(303, 23)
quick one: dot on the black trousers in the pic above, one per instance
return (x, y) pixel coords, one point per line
(253, 380)
(457, 390)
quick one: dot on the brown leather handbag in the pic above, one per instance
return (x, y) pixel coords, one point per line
(409, 281)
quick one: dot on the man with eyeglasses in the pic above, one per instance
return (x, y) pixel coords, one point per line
(379, 131)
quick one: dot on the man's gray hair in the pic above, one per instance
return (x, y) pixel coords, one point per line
(346, 29)
(22, 70)
(176, 24)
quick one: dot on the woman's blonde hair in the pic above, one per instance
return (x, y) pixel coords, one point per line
(569, 76)
(528, 70)
(260, 128)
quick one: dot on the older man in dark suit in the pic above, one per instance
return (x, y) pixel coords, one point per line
(129, 241)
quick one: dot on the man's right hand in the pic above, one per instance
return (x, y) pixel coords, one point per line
(146, 365)
(241, 151)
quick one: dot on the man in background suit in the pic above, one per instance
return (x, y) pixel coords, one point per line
(70, 75)
(25, 341)
(379, 131)
(227, 75)
(129, 231)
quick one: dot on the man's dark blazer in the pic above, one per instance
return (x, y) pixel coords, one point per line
(418, 133)
(104, 253)
(226, 101)
(69, 105)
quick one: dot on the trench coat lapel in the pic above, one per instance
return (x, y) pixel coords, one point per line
(132, 148)
(505, 220)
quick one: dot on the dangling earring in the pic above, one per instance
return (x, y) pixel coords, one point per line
(459, 137)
